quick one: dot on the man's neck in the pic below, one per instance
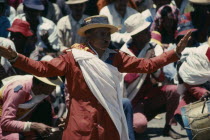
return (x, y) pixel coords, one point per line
(76, 18)
(100, 52)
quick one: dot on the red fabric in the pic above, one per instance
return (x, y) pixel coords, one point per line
(208, 53)
(130, 77)
(193, 93)
(14, 3)
(22, 27)
(87, 119)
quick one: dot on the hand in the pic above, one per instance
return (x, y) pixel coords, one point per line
(150, 53)
(62, 123)
(7, 53)
(183, 42)
(41, 128)
(44, 37)
(205, 96)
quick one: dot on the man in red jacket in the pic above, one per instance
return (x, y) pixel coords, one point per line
(94, 80)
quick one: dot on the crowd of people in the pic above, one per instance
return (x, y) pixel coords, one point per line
(100, 69)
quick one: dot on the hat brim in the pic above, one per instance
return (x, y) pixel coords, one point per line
(26, 34)
(82, 30)
(182, 33)
(200, 2)
(36, 7)
(48, 81)
(141, 28)
(76, 2)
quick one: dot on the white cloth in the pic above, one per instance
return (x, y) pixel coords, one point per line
(6, 43)
(115, 19)
(106, 84)
(67, 31)
(196, 69)
(135, 86)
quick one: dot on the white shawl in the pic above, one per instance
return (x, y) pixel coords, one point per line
(106, 84)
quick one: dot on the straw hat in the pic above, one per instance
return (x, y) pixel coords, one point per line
(136, 23)
(53, 81)
(203, 2)
(98, 21)
(75, 1)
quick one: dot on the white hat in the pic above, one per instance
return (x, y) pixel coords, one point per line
(202, 2)
(136, 23)
(75, 1)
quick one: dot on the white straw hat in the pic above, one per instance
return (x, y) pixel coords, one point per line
(75, 1)
(203, 2)
(136, 23)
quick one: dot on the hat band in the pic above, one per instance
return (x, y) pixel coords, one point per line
(96, 20)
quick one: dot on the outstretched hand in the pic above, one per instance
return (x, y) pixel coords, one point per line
(183, 42)
(8, 53)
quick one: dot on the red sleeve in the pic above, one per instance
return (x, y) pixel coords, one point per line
(130, 77)
(195, 91)
(130, 64)
(55, 67)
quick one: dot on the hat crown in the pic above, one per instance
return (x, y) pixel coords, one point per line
(134, 22)
(95, 20)
(22, 24)
(34, 4)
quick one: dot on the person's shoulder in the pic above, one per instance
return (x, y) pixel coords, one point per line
(45, 20)
(63, 20)
(106, 8)
(131, 10)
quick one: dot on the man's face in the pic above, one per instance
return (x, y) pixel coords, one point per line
(19, 41)
(77, 9)
(143, 36)
(32, 15)
(45, 89)
(99, 38)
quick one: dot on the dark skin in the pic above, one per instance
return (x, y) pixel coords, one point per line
(38, 89)
(201, 21)
(19, 41)
(142, 38)
(99, 39)
(120, 6)
(32, 16)
(77, 10)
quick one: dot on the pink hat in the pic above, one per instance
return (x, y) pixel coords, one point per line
(22, 27)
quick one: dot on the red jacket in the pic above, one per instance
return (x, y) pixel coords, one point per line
(87, 119)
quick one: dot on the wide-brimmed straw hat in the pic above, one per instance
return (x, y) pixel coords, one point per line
(53, 81)
(22, 27)
(98, 21)
(136, 23)
(75, 1)
(203, 2)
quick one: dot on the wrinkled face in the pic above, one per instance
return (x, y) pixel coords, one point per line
(121, 5)
(99, 37)
(77, 9)
(32, 15)
(143, 36)
(160, 3)
(19, 41)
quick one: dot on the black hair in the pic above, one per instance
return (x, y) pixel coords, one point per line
(36, 81)
(164, 12)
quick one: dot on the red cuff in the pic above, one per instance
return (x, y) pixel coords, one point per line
(208, 53)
